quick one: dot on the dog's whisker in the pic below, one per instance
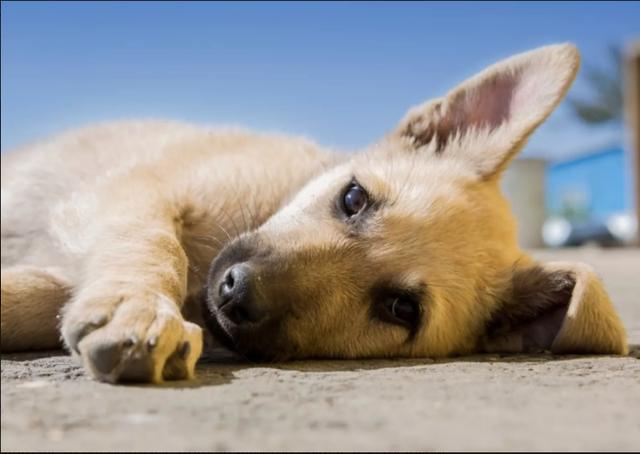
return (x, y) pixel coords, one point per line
(224, 231)
(204, 240)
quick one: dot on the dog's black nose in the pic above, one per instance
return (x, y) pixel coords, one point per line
(237, 297)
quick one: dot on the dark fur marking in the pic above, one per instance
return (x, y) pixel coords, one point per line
(388, 289)
(535, 307)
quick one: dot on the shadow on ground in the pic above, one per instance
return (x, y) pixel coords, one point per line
(221, 367)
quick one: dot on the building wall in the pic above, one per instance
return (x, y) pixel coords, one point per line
(590, 187)
(632, 117)
(523, 185)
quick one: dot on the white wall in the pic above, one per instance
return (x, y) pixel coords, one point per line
(523, 184)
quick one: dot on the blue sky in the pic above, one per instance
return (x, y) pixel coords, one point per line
(340, 73)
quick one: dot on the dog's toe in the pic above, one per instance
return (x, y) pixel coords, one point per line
(125, 359)
(105, 356)
(74, 332)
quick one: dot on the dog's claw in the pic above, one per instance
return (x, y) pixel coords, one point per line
(152, 342)
(130, 341)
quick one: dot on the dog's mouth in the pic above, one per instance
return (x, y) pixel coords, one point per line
(250, 344)
(229, 338)
(215, 327)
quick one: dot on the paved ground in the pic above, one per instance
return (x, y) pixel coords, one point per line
(484, 403)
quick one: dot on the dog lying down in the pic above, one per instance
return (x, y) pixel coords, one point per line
(407, 249)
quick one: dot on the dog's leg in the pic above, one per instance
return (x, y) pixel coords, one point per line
(125, 319)
(31, 301)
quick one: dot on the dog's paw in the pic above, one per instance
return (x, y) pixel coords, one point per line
(133, 338)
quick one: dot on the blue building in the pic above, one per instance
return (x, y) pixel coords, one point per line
(591, 187)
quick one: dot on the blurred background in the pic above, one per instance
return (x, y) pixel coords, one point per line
(342, 74)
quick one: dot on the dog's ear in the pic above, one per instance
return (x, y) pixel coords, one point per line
(560, 307)
(486, 120)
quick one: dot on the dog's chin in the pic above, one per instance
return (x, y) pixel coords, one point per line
(237, 345)
(216, 329)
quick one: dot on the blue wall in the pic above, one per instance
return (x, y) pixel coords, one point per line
(593, 186)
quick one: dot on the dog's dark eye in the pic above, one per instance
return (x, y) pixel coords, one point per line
(399, 305)
(354, 200)
(403, 311)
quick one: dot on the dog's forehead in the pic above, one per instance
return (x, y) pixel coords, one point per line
(317, 191)
(410, 179)
(409, 182)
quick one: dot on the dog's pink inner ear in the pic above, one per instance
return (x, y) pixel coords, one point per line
(490, 105)
(484, 107)
(486, 120)
(531, 315)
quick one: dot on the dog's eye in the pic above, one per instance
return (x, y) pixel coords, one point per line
(402, 311)
(399, 305)
(354, 200)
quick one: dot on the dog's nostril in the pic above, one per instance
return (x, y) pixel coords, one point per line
(234, 285)
(227, 285)
(236, 295)
(229, 280)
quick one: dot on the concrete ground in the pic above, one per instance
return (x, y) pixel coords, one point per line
(482, 403)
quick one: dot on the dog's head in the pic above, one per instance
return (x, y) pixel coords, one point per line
(409, 249)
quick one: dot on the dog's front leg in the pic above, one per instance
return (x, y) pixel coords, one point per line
(125, 320)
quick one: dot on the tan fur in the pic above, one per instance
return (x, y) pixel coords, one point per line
(133, 214)
(40, 294)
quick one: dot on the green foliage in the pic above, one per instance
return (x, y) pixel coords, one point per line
(605, 103)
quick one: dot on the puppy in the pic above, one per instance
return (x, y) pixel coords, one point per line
(407, 249)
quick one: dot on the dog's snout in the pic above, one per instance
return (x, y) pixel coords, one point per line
(237, 297)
